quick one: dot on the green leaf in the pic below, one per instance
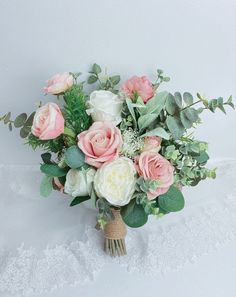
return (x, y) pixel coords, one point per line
(172, 201)
(96, 69)
(171, 105)
(145, 120)
(92, 79)
(202, 158)
(131, 110)
(156, 104)
(159, 131)
(191, 114)
(93, 196)
(79, 200)
(134, 216)
(178, 99)
(46, 157)
(29, 121)
(115, 79)
(185, 120)
(46, 186)
(25, 131)
(175, 126)
(188, 98)
(10, 126)
(20, 120)
(74, 157)
(53, 170)
(7, 118)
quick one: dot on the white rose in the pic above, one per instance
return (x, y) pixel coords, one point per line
(78, 183)
(115, 181)
(105, 106)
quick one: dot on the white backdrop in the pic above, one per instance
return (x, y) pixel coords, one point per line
(193, 41)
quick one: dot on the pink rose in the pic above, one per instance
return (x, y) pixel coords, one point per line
(100, 143)
(139, 85)
(153, 166)
(152, 143)
(48, 122)
(59, 83)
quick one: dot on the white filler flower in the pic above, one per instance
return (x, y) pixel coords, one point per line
(115, 181)
(105, 106)
(78, 183)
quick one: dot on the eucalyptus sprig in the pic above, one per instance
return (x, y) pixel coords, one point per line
(105, 81)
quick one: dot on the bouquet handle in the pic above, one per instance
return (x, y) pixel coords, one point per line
(114, 233)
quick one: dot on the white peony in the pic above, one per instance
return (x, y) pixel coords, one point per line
(78, 183)
(115, 181)
(105, 106)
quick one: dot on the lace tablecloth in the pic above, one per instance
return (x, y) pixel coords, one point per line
(45, 244)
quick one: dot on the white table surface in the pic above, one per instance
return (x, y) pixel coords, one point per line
(176, 256)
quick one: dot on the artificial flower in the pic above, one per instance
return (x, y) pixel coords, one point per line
(115, 181)
(78, 182)
(152, 143)
(105, 106)
(100, 143)
(140, 86)
(152, 166)
(48, 122)
(59, 83)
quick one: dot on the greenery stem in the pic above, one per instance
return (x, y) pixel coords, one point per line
(191, 104)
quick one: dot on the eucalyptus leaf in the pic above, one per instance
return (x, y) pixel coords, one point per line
(20, 120)
(172, 200)
(188, 98)
(96, 69)
(7, 118)
(175, 126)
(191, 114)
(46, 157)
(134, 216)
(115, 79)
(53, 170)
(92, 79)
(29, 121)
(25, 131)
(202, 158)
(46, 186)
(145, 120)
(178, 99)
(78, 200)
(74, 157)
(157, 103)
(131, 110)
(187, 123)
(171, 105)
(159, 131)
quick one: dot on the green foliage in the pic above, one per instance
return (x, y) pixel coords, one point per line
(160, 78)
(46, 157)
(134, 215)
(105, 81)
(53, 145)
(46, 186)
(53, 170)
(78, 200)
(74, 111)
(74, 157)
(171, 201)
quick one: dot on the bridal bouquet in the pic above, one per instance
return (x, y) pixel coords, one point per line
(128, 149)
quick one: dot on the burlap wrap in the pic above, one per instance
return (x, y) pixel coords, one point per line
(115, 229)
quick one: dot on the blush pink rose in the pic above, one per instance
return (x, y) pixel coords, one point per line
(59, 83)
(100, 143)
(152, 143)
(152, 165)
(139, 85)
(48, 122)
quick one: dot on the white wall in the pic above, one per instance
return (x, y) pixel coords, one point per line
(193, 41)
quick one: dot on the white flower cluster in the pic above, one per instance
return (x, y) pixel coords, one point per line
(132, 143)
